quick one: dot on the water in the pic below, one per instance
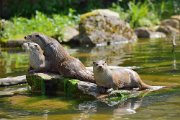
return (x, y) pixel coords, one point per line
(154, 60)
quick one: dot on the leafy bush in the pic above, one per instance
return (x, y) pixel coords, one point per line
(137, 14)
(50, 25)
(142, 14)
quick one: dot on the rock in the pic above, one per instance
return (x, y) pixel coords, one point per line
(177, 17)
(54, 84)
(170, 26)
(171, 22)
(69, 33)
(103, 27)
(147, 33)
(168, 30)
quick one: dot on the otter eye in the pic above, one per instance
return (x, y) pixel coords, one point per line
(36, 46)
(37, 35)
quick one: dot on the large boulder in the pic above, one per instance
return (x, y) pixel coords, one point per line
(103, 27)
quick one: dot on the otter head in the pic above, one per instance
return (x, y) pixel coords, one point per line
(100, 65)
(38, 38)
(32, 47)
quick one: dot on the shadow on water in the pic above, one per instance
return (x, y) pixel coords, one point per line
(154, 60)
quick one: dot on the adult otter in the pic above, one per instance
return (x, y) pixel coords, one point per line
(59, 59)
(117, 78)
(36, 57)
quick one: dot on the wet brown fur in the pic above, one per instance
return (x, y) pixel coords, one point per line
(59, 59)
(118, 79)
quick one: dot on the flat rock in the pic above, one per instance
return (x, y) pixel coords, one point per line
(54, 84)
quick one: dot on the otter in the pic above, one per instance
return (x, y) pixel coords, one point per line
(36, 57)
(123, 78)
(59, 59)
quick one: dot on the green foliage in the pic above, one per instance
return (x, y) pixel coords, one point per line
(27, 8)
(138, 13)
(117, 8)
(50, 25)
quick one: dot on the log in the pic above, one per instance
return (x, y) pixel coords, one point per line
(13, 91)
(13, 80)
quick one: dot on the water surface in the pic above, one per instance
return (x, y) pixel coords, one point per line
(154, 60)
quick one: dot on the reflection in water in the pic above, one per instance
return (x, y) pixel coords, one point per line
(87, 109)
(13, 62)
(127, 107)
(123, 108)
(45, 114)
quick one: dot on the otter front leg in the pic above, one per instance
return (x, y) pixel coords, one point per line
(42, 68)
(32, 70)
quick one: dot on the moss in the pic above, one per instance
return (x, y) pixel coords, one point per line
(86, 15)
(70, 87)
(38, 103)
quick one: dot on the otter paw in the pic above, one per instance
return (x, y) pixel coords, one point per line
(31, 71)
(110, 90)
(102, 90)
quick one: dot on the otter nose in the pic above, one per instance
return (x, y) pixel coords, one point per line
(100, 66)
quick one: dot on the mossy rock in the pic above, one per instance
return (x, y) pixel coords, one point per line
(54, 84)
(103, 27)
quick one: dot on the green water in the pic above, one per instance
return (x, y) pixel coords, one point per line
(154, 60)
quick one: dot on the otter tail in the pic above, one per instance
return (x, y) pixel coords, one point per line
(143, 86)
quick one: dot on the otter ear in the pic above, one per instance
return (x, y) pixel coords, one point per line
(36, 46)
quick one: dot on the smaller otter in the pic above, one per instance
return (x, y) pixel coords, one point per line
(36, 57)
(118, 78)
